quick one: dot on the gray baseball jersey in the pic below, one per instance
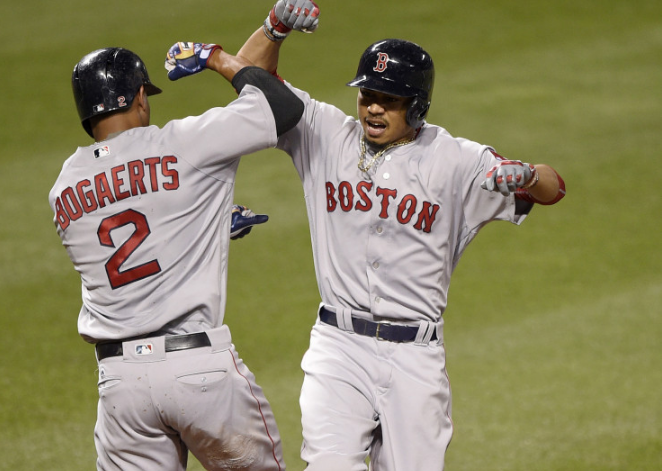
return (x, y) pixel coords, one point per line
(145, 219)
(385, 243)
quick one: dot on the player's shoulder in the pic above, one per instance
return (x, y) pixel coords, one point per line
(80, 158)
(316, 106)
(441, 139)
(72, 168)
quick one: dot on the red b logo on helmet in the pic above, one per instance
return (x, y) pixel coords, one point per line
(382, 62)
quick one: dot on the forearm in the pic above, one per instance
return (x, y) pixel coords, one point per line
(226, 64)
(549, 188)
(286, 107)
(261, 51)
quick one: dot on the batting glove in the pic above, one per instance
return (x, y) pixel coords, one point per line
(243, 220)
(509, 175)
(186, 58)
(288, 15)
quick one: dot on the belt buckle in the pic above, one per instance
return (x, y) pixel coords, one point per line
(379, 326)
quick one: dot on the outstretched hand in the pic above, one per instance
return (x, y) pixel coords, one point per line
(188, 58)
(243, 220)
(509, 175)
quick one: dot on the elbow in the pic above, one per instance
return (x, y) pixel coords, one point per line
(289, 116)
(550, 190)
(557, 195)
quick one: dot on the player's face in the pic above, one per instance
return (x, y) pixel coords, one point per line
(384, 117)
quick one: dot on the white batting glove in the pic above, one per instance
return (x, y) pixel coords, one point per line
(288, 15)
(509, 175)
(243, 220)
(299, 15)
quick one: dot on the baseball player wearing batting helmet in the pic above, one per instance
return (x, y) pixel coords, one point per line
(146, 216)
(393, 202)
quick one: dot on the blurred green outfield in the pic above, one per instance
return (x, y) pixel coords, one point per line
(553, 329)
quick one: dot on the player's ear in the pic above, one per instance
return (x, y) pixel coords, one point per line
(142, 105)
(141, 97)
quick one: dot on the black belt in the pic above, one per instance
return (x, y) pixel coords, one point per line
(380, 330)
(173, 343)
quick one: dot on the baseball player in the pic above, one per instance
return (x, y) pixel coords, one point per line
(393, 202)
(145, 216)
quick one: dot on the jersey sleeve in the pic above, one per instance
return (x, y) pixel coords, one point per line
(222, 134)
(482, 206)
(316, 131)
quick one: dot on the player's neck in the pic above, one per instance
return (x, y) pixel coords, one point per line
(114, 125)
(374, 148)
(119, 121)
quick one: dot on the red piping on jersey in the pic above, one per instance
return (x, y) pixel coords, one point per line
(275, 74)
(259, 407)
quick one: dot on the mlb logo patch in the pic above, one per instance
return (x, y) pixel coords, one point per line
(144, 349)
(98, 108)
(101, 151)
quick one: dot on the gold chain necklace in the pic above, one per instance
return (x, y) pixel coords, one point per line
(365, 167)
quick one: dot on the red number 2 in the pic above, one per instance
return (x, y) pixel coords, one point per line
(116, 277)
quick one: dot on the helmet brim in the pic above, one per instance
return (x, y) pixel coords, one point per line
(152, 89)
(382, 85)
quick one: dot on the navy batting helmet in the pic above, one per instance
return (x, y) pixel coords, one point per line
(107, 80)
(399, 68)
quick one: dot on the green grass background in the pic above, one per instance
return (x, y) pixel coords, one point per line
(553, 329)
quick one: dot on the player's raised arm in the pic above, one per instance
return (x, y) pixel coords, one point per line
(263, 47)
(189, 58)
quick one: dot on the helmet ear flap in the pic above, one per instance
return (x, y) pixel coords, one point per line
(418, 110)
